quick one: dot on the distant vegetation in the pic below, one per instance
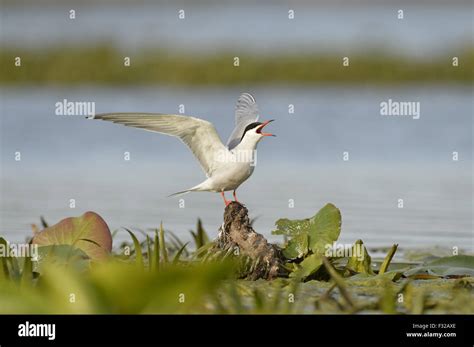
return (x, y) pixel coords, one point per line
(105, 65)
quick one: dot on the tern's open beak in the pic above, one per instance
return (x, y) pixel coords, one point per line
(260, 128)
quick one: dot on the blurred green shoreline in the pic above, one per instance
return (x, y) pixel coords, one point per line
(105, 65)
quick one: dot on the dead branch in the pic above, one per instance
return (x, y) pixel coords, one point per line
(237, 233)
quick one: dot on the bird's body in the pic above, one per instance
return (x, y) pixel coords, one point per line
(226, 166)
(227, 178)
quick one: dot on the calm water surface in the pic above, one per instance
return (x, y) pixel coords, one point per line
(390, 158)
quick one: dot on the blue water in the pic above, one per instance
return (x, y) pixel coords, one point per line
(70, 157)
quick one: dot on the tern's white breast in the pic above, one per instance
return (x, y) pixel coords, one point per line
(231, 175)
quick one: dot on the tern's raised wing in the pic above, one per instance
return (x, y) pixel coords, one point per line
(199, 135)
(246, 112)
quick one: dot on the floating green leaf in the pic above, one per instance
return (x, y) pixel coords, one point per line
(297, 247)
(326, 227)
(290, 227)
(455, 266)
(462, 261)
(364, 279)
(310, 235)
(308, 266)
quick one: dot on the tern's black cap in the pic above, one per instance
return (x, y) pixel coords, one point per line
(250, 126)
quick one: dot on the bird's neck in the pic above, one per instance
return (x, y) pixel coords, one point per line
(245, 151)
(248, 144)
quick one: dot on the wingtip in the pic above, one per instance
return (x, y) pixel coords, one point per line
(247, 95)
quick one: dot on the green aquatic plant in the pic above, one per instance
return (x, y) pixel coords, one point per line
(156, 275)
(200, 236)
(88, 232)
(308, 239)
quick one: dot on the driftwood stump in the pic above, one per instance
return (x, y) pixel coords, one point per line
(237, 233)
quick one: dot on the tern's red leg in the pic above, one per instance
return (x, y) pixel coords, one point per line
(226, 202)
(235, 197)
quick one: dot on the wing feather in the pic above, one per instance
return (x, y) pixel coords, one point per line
(198, 134)
(246, 112)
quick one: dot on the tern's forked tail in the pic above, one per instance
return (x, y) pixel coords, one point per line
(193, 189)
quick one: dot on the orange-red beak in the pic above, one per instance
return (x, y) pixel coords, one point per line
(260, 128)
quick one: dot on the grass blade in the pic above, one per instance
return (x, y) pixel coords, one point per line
(177, 243)
(388, 259)
(27, 273)
(5, 270)
(138, 249)
(163, 249)
(44, 224)
(149, 254)
(115, 233)
(176, 257)
(339, 282)
(156, 253)
(200, 236)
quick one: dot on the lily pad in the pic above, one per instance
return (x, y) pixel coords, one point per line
(455, 266)
(88, 233)
(311, 234)
(464, 261)
(308, 266)
(297, 247)
(365, 279)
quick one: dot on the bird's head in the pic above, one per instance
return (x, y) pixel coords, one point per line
(255, 132)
